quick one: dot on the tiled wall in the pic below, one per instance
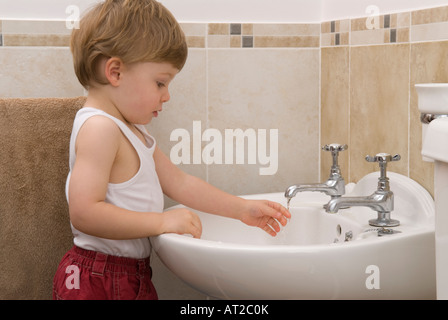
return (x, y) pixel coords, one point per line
(368, 99)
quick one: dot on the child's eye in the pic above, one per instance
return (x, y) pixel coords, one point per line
(160, 84)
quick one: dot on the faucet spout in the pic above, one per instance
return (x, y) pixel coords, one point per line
(333, 188)
(377, 201)
(380, 201)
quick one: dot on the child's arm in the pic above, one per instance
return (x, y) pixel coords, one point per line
(96, 149)
(198, 194)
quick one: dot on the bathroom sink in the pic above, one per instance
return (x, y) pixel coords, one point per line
(317, 255)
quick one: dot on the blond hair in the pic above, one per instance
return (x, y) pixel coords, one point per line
(132, 30)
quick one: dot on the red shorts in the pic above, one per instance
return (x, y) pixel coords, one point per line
(90, 275)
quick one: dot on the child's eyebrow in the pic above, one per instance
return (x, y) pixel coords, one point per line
(167, 74)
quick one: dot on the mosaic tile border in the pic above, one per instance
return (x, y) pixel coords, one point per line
(198, 35)
(414, 26)
(244, 35)
(404, 27)
(34, 33)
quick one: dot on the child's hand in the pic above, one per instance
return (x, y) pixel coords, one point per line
(182, 221)
(266, 215)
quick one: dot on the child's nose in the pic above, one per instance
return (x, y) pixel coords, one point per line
(166, 96)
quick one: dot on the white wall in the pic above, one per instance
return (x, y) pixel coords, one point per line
(184, 10)
(340, 9)
(245, 10)
(287, 11)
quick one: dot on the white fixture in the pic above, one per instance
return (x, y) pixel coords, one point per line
(317, 255)
(432, 97)
(433, 105)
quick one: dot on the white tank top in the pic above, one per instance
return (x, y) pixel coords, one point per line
(141, 193)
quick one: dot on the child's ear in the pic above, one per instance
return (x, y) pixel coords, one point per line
(112, 70)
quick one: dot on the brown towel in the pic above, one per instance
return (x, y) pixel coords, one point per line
(34, 223)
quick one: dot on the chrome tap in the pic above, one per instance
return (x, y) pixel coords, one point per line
(382, 200)
(334, 186)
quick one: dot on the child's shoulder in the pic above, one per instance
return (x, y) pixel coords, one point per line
(100, 122)
(99, 128)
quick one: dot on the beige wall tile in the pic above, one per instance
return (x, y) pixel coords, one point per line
(287, 29)
(267, 89)
(336, 26)
(344, 26)
(429, 32)
(344, 39)
(218, 28)
(34, 40)
(431, 15)
(285, 41)
(235, 41)
(247, 29)
(379, 103)
(403, 19)
(358, 24)
(195, 41)
(335, 104)
(368, 37)
(325, 39)
(35, 27)
(403, 35)
(218, 41)
(393, 21)
(386, 36)
(194, 29)
(325, 27)
(37, 72)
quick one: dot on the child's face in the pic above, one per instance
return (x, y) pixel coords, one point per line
(143, 89)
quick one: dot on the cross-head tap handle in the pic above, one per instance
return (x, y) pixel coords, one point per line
(383, 159)
(335, 148)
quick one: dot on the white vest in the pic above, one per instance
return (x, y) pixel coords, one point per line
(141, 193)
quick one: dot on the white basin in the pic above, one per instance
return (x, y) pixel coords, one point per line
(309, 258)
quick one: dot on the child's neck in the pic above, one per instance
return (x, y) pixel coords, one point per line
(99, 99)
